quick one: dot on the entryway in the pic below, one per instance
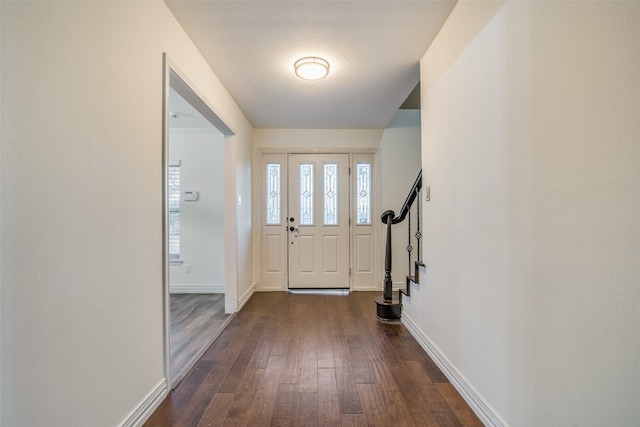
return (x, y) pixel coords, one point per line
(315, 225)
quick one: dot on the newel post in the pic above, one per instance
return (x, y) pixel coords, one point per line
(388, 283)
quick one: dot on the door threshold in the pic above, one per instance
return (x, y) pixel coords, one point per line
(320, 291)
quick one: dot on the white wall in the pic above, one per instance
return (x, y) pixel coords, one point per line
(201, 153)
(400, 163)
(242, 158)
(81, 199)
(531, 146)
(310, 139)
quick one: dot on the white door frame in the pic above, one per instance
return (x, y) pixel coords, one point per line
(276, 280)
(174, 78)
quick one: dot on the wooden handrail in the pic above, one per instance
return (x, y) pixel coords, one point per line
(411, 197)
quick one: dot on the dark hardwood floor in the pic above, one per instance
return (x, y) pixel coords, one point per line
(196, 321)
(313, 360)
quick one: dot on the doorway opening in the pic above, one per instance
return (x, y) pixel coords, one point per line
(198, 294)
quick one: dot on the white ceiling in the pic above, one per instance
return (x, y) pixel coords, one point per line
(374, 48)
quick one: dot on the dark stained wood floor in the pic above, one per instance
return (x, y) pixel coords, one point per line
(196, 321)
(313, 360)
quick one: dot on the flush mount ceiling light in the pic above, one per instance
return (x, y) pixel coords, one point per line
(311, 68)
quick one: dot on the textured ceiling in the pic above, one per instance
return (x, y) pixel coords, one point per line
(374, 48)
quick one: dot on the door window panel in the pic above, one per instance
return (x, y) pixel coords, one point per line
(363, 193)
(306, 193)
(331, 194)
(273, 194)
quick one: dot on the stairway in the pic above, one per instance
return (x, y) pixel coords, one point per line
(389, 304)
(391, 311)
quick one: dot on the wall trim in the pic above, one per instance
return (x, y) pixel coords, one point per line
(271, 289)
(374, 288)
(143, 411)
(482, 409)
(179, 288)
(245, 297)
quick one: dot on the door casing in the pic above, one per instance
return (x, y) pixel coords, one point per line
(174, 78)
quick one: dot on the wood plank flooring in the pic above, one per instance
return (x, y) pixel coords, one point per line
(313, 360)
(196, 321)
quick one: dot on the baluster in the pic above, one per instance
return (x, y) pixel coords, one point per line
(418, 233)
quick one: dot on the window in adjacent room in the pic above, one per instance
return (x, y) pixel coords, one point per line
(174, 212)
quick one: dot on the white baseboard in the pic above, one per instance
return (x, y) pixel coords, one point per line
(244, 298)
(278, 289)
(178, 288)
(370, 288)
(145, 408)
(482, 409)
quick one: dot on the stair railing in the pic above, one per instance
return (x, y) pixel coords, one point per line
(389, 218)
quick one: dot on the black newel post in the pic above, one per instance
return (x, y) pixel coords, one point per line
(388, 283)
(388, 309)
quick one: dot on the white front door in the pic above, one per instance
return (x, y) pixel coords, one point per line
(318, 220)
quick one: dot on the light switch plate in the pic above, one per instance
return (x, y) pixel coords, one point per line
(427, 193)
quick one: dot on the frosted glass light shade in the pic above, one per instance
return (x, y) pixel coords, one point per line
(311, 68)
